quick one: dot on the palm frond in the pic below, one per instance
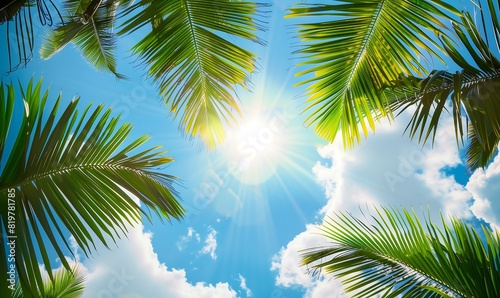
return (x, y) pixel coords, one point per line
(429, 97)
(9, 9)
(91, 29)
(355, 48)
(72, 174)
(473, 92)
(478, 153)
(472, 95)
(196, 69)
(398, 255)
(480, 97)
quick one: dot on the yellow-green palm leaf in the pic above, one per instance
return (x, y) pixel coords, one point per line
(188, 51)
(71, 174)
(65, 284)
(353, 49)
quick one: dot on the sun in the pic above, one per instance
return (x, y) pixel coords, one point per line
(257, 146)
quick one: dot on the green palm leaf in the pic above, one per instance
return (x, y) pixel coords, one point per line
(72, 174)
(89, 25)
(478, 91)
(354, 49)
(474, 96)
(195, 67)
(479, 154)
(398, 255)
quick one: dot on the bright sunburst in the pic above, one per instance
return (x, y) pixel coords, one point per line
(257, 147)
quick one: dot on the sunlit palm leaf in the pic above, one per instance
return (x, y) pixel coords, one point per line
(397, 255)
(195, 67)
(89, 25)
(66, 284)
(72, 174)
(355, 48)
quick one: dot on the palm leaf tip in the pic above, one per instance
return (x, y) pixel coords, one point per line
(195, 67)
(74, 174)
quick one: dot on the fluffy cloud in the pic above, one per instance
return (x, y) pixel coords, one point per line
(485, 186)
(386, 169)
(132, 270)
(389, 169)
(287, 261)
(210, 244)
(292, 273)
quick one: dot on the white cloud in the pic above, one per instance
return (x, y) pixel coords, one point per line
(485, 186)
(292, 273)
(387, 169)
(287, 261)
(244, 287)
(191, 233)
(210, 244)
(132, 270)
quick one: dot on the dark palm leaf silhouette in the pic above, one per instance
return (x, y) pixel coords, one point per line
(20, 21)
(472, 91)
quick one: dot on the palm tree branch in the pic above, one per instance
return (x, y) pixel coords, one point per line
(70, 175)
(68, 284)
(65, 283)
(398, 255)
(366, 272)
(200, 65)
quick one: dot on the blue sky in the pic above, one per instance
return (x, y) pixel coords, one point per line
(242, 232)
